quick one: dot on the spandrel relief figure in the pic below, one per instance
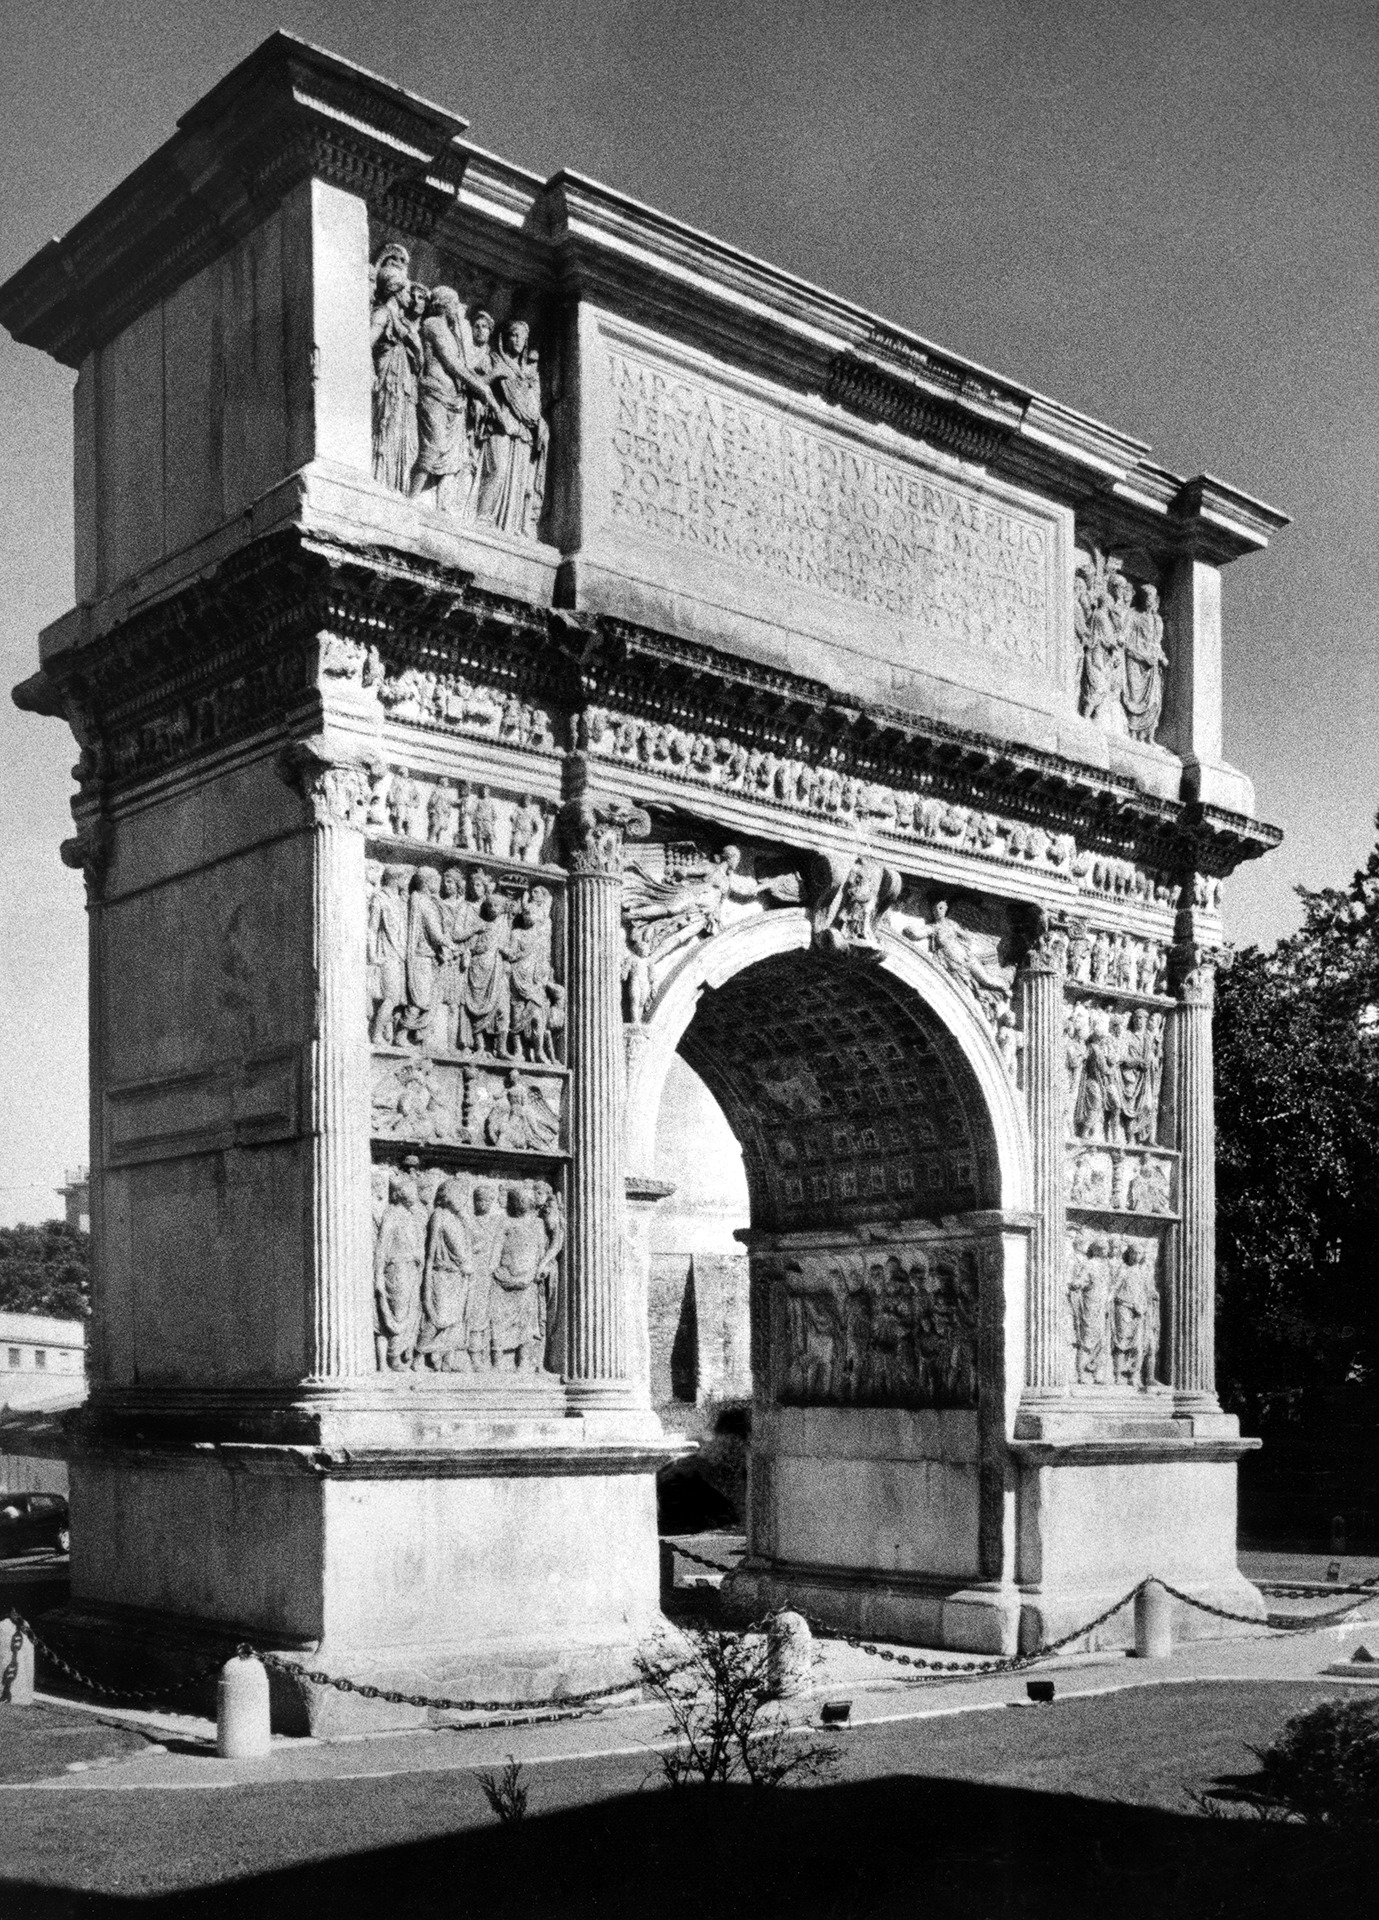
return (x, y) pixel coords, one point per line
(692, 903)
(447, 1282)
(397, 360)
(970, 958)
(444, 474)
(636, 975)
(512, 461)
(399, 1254)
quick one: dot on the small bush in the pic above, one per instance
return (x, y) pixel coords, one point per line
(721, 1708)
(505, 1792)
(1324, 1767)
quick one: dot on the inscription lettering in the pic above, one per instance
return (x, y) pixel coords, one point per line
(692, 465)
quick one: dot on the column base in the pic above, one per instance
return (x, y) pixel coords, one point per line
(909, 1609)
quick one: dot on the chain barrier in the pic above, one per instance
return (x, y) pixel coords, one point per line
(568, 1706)
(698, 1560)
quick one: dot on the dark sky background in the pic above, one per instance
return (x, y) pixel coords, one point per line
(1162, 213)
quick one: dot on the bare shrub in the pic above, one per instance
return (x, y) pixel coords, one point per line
(722, 1714)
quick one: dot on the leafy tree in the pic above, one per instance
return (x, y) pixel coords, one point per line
(1297, 1112)
(46, 1269)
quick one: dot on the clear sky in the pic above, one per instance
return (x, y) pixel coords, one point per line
(1162, 213)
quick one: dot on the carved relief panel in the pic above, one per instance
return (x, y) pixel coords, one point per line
(895, 1325)
(466, 1270)
(1114, 1307)
(464, 960)
(459, 411)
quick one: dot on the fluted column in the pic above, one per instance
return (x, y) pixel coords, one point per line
(89, 851)
(598, 1356)
(339, 1332)
(1192, 1282)
(1041, 989)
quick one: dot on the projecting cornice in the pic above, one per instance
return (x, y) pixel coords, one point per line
(292, 111)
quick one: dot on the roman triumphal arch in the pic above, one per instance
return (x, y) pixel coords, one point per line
(514, 638)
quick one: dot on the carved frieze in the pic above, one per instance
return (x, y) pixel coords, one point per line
(452, 702)
(466, 1271)
(462, 961)
(422, 1099)
(894, 1325)
(832, 792)
(1115, 962)
(457, 410)
(1119, 660)
(1103, 1179)
(1114, 1065)
(461, 814)
(1114, 1316)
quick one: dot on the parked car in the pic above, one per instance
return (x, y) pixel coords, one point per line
(33, 1520)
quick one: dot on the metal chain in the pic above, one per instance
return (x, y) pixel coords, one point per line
(714, 1566)
(1012, 1663)
(11, 1673)
(572, 1703)
(23, 1629)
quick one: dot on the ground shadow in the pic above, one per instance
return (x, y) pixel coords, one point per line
(944, 1850)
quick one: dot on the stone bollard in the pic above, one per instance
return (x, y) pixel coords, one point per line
(789, 1654)
(21, 1688)
(667, 1568)
(242, 1722)
(1153, 1622)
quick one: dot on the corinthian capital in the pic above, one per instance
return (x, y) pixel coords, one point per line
(593, 834)
(1047, 938)
(331, 777)
(1192, 971)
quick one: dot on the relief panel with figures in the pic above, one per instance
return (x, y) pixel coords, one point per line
(1114, 1316)
(462, 960)
(458, 416)
(893, 1326)
(466, 1271)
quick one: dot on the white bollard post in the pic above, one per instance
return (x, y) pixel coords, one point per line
(242, 1723)
(21, 1656)
(789, 1654)
(1153, 1622)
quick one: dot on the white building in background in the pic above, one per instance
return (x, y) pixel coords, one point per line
(42, 1361)
(76, 1198)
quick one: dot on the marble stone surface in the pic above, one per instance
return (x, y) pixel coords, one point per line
(495, 672)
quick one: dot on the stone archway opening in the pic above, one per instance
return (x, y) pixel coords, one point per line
(880, 1264)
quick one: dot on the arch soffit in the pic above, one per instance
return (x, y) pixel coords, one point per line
(787, 930)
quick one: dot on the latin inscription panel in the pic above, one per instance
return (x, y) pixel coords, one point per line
(693, 462)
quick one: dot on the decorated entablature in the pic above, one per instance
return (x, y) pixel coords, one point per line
(516, 638)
